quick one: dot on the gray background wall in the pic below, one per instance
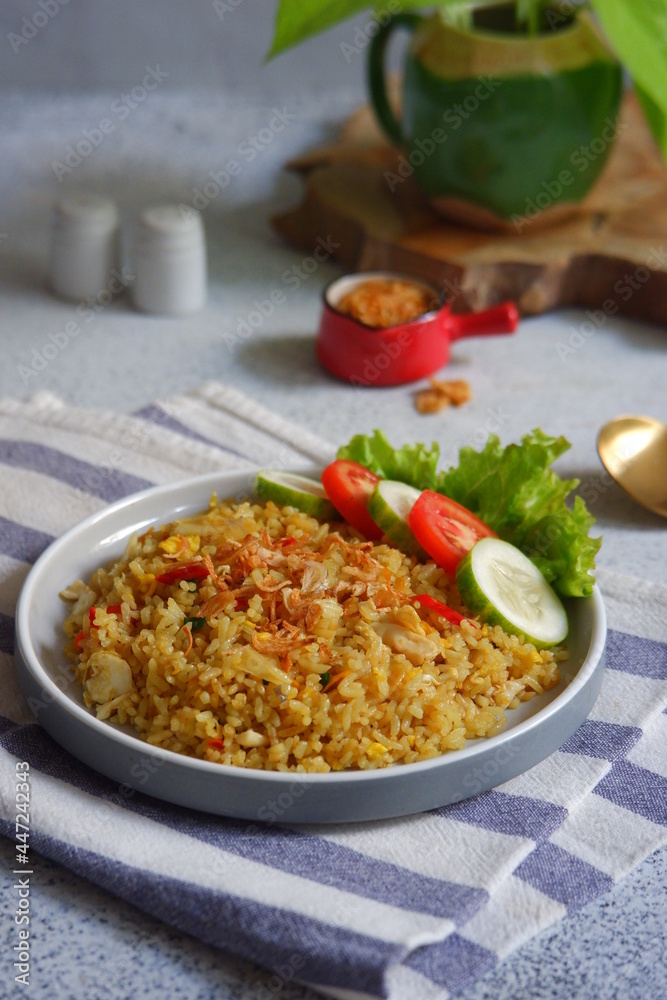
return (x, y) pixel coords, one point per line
(106, 44)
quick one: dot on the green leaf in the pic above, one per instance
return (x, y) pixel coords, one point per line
(637, 31)
(297, 20)
(509, 488)
(195, 623)
(413, 464)
(655, 117)
(560, 547)
(515, 492)
(528, 15)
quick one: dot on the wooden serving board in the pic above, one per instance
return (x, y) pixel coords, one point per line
(610, 255)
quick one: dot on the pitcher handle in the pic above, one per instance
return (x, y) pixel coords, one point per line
(377, 83)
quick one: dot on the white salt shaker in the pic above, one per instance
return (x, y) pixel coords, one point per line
(170, 261)
(84, 246)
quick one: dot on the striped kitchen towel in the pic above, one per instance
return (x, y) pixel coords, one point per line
(419, 906)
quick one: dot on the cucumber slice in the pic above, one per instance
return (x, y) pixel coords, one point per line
(301, 492)
(501, 585)
(389, 506)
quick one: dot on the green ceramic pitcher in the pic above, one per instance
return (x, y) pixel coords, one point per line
(500, 130)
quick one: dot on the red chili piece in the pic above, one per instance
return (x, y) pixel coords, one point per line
(91, 617)
(455, 617)
(79, 639)
(217, 744)
(114, 609)
(193, 571)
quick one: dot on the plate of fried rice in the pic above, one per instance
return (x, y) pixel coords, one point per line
(232, 655)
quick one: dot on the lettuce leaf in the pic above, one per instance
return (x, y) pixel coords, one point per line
(560, 547)
(515, 492)
(414, 464)
(512, 489)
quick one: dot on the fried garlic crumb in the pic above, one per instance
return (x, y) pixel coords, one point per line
(442, 394)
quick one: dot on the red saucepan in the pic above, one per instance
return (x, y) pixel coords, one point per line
(392, 355)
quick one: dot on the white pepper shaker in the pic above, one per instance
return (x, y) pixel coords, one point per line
(84, 246)
(170, 261)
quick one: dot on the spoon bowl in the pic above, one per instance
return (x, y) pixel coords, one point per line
(633, 450)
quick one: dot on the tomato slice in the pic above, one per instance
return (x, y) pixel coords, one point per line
(446, 529)
(349, 485)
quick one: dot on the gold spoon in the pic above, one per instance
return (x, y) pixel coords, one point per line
(633, 450)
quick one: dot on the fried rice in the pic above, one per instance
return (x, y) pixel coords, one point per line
(384, 303)
(256, 636)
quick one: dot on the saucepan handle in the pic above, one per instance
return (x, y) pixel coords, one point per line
(503, 318)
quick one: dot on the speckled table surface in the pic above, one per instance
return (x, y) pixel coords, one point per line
(89, 945)
(554, 373)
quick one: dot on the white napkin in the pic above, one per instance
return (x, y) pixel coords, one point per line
(416, 906)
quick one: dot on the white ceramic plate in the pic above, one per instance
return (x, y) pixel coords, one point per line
(532, 732)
